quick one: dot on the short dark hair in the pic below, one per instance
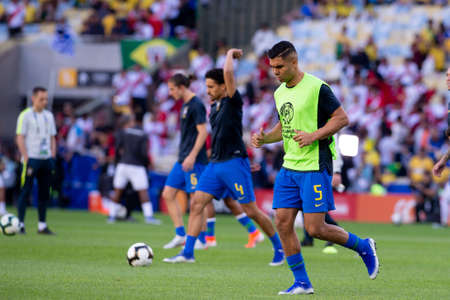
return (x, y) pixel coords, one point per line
(180, 79)
(216, 75)
(38, 89)
(282, 49)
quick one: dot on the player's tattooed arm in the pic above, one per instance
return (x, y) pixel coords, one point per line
(228, 70)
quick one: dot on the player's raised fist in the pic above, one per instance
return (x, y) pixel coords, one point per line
(236, 53)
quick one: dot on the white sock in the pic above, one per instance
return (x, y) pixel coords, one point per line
(243, 215)
(147, 209)
(21, 225)
(210, 220)
(113, 209)
(2, 208)
(42, 225)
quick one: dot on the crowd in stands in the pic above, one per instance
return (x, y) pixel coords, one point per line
(143, 19)
(18, 13)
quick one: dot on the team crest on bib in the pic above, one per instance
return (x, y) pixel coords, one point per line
(29, 171)
(287, 113)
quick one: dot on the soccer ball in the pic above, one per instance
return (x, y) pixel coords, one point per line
(140, 255)
(9, 224)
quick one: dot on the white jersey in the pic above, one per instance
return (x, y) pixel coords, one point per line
(15, 15)
(122, 88)
(37, 128)
(139, 82)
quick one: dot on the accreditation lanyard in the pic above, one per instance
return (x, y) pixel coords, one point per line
(37, 123)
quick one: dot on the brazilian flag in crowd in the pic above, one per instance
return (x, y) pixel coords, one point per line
(148, 53)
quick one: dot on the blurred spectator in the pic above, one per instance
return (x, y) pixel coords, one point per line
(144, 31)
(78, 136)
(109, 22)
(263, 39)
(342, 44)
(419, 165)
(93, 25)
(156, 23)
(371, 50)
(185, 17)
(437, 52)
(426, 199)
(15, 15)
(140, 82)
(201, 63)
(30, 12)
(122, 93)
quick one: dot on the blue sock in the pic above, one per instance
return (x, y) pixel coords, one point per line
(297, 266)
(355, 243)
(180, 231)
(276, 242)
(202, 237)
(246, 222)
(210, 224)
(189, 247)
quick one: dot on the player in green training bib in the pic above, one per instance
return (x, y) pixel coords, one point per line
(309, 116)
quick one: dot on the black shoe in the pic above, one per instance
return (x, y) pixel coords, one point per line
(46, 231)
(328, 244)
(307, 243)
(22, 230)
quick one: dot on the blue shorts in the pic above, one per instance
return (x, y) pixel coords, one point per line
(309, 191)
(232, 176)
(182, 180)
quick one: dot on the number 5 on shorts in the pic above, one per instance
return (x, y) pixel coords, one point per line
(193, 179)
(316, 189)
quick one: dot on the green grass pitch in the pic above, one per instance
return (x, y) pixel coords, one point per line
(87, 260)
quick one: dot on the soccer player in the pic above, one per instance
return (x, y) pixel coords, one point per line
(229, 168)
(192, 158)
(37, 145)
(132, 157)
(309, 116)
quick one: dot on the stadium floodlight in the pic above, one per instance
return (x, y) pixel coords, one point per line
(348, 144)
